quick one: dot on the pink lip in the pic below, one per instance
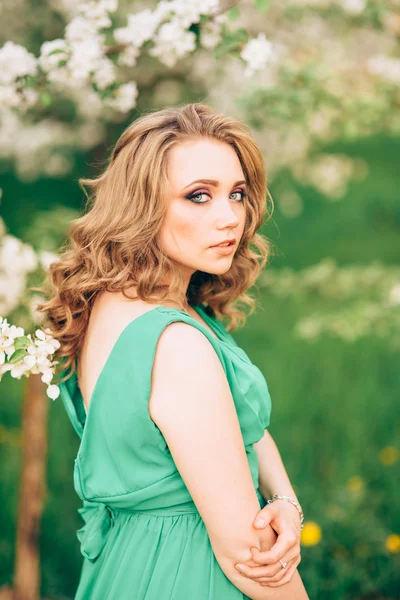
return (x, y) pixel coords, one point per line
(231, 241)
(224, 249)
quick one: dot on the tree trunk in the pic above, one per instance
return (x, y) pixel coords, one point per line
(32, 490)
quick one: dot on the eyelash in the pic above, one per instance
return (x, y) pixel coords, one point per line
(191, 196)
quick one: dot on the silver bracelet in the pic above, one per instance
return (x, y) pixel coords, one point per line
(288, 499)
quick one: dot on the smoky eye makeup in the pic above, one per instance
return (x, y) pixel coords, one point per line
(193, 195)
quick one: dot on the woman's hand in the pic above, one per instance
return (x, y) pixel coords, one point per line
(284, 519)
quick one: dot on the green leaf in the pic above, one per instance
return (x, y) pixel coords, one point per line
(22, 342)
(226, 46)
(30, 81)
(46, 98)
(16, 356)
(233, 13)
(262, 5)
(57, 51)
(242, 34)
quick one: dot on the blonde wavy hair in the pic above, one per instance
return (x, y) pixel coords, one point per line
(113, 246)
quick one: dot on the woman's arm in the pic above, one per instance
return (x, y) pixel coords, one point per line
(192, 405)
(282, 516)
(273, 478)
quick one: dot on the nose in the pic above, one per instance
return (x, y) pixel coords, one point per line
(226, 215)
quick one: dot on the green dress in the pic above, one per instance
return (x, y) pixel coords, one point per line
(143, 538)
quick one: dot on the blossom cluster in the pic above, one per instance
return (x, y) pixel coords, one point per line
(82, 57)
(350, 89)
(23, 355)
(369, 299)
(90, 66)
(17, 261)
(47, 147)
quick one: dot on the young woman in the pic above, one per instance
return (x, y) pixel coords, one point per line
(175, 461)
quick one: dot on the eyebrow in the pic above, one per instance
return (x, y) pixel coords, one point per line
(213, 182)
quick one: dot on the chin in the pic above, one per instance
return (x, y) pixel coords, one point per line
(217, 268)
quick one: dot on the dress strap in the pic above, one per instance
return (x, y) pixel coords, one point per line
(147, 328)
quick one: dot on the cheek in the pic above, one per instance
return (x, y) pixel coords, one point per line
(242, 217)
(180, 226)
(185, 228)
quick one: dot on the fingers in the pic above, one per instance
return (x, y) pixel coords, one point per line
(271, 573)
(284, 576)
(283, 545)
(265, 516)
(257, 573)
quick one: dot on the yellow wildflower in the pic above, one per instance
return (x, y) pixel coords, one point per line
(392, 543)
(310, 534)
(389, 455)
(355, 483)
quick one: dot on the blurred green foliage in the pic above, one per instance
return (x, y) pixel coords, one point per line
(335, 406)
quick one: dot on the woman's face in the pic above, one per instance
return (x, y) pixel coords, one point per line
(202, 214)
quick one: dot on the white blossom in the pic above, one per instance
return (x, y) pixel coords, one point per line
(15, 61)
(189, 11)
(52, 53)
(69, 8)
(30, 360)
(124, 98)
(40, 334)
(172, 42)
(57, 165)
(105, 74)
(353, 7)
(79, 30)
(164, 10)
(394, 295)
(37, 357)
(9, 97)
(53, 391)
(210, 33)
(7, 337)
(256, 54)
(11, 290)
(32, 305)
(47, 258)
(43, 146)
(141, 27)
(19, 369)
(84, 58)
(14, 331)
(47, 376)
(329, 173)
(16, 257)
(386, 66)
(128, 57)
(97, 13)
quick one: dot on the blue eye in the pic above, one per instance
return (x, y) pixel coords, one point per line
(243, 194)
(191, 197)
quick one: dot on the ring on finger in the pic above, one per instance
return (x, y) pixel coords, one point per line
(284, 564)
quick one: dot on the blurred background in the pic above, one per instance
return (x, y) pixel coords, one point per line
(317, 81)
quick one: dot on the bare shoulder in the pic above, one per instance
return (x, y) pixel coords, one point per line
(183, 337)
(183, 355)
